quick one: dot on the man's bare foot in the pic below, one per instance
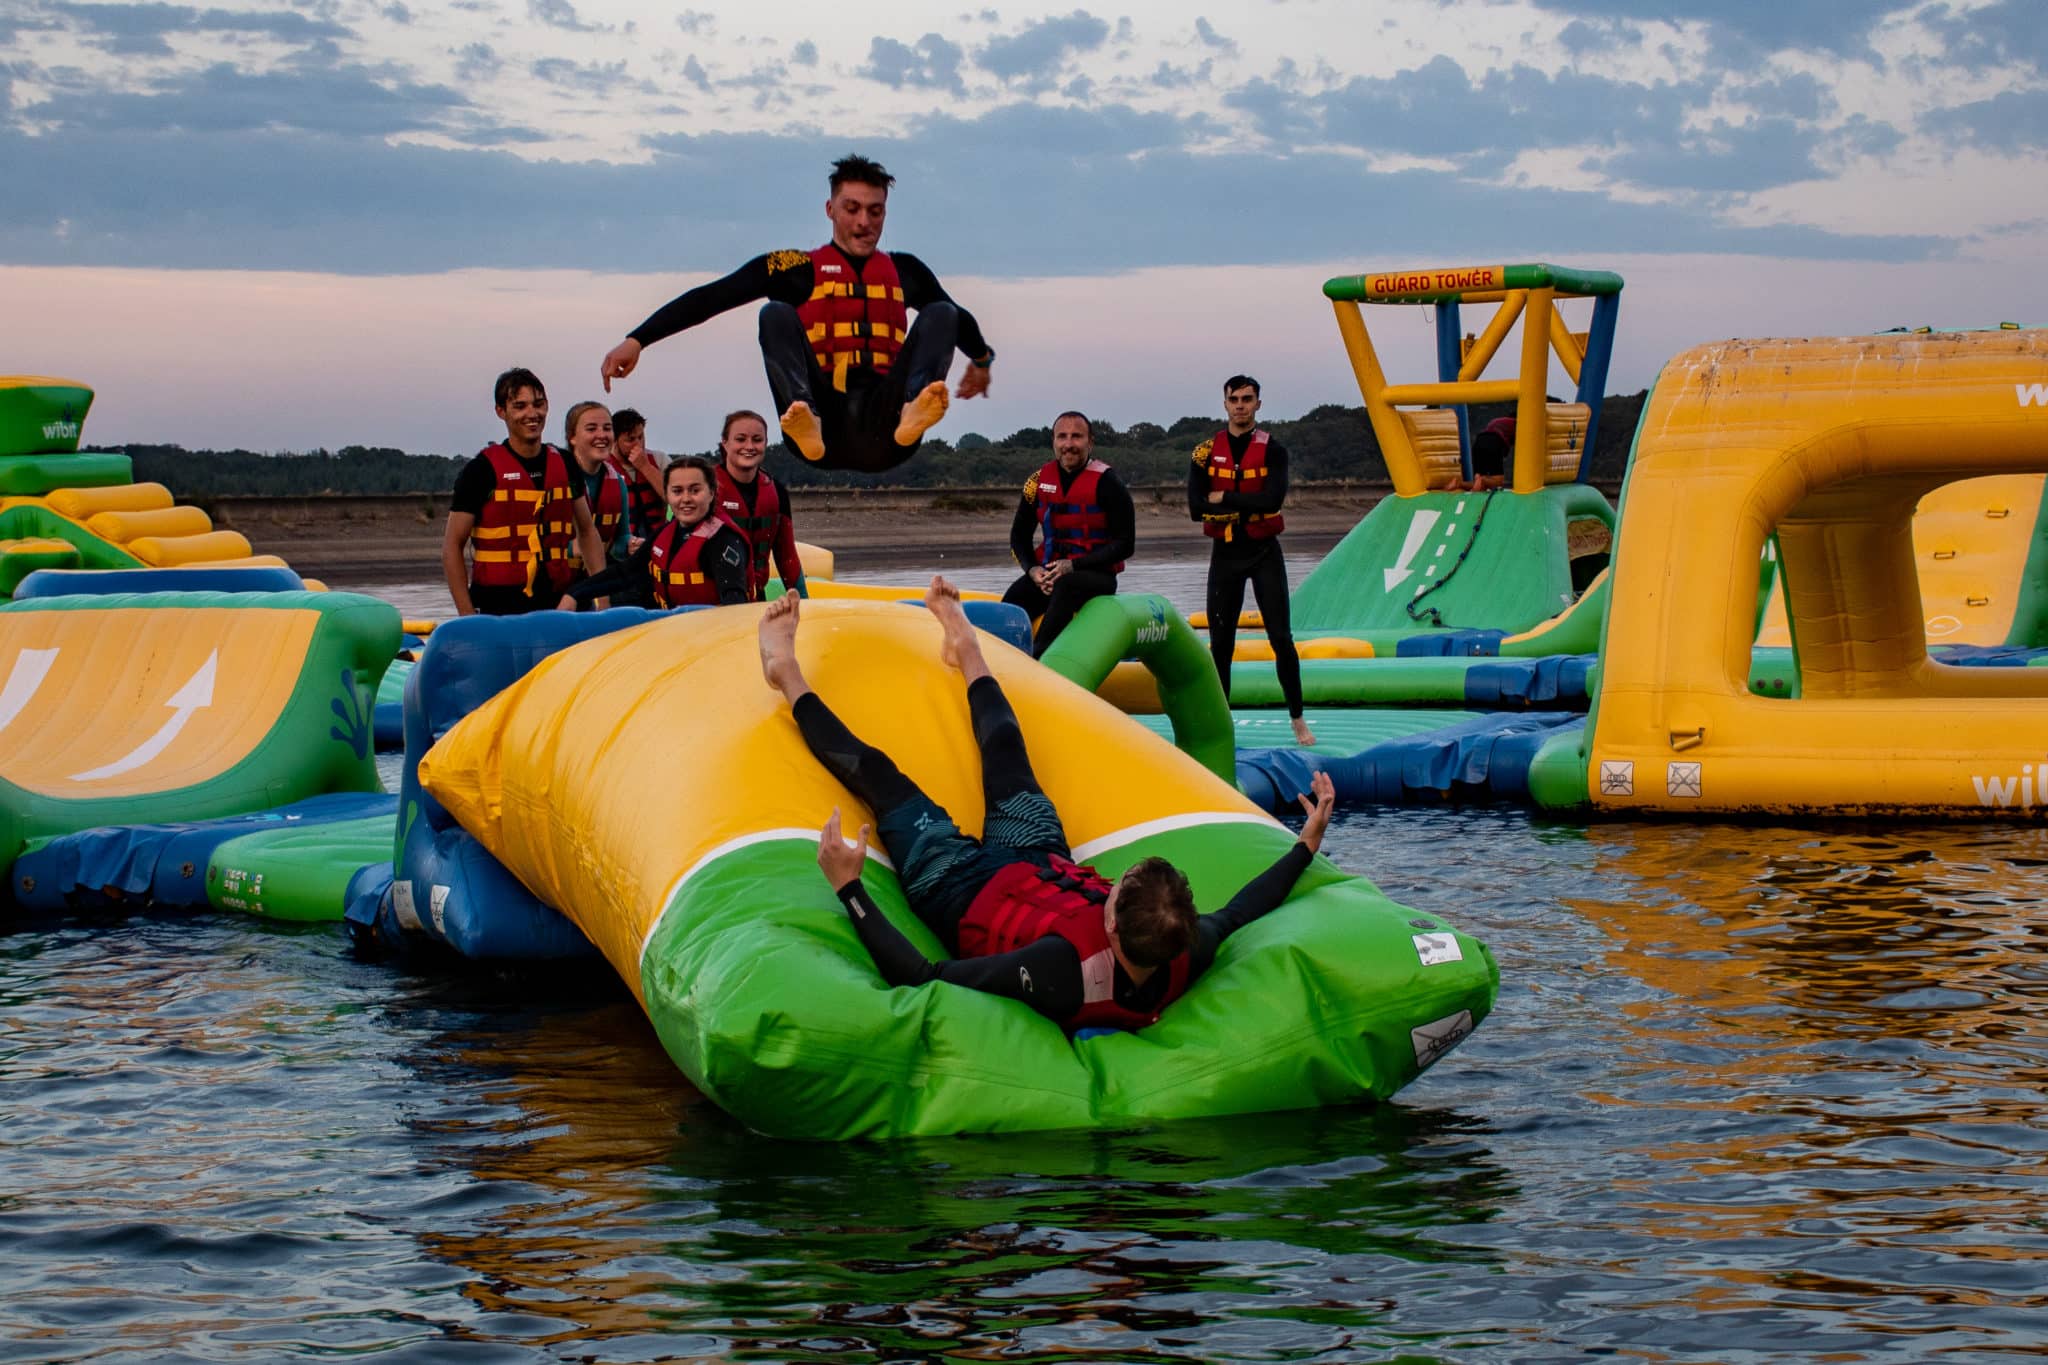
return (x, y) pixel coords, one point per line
(959, 648)
(800, 425)
(922, 413)
(1302, 734)
(778, 647)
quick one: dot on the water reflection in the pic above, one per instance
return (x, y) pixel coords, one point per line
(1838, 1067)
(615, 1212)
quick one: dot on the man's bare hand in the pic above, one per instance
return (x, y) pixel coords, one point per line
(1325, 793)
(619, 362)
(974, 383)
(840, 861)
(1216, 496)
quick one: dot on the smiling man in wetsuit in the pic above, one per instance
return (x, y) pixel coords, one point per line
(1081, 515)
(856, 382)
(1019, 916)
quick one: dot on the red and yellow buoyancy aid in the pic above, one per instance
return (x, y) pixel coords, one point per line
(854, 317)
(1227, 475)
(609, 511)
(675, 562)
(758, 525)
(523, 528)
(1072, 521)
(1024, 903)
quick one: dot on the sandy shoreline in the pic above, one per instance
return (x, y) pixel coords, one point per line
(392, 539)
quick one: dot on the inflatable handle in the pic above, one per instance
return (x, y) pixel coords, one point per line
(1147, 627)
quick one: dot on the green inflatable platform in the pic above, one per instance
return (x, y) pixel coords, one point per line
(118, 710)
(296, 872)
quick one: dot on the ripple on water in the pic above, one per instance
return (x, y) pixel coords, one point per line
(1750, 1094)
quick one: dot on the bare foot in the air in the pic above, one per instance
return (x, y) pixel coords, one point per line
(801, 426)
(922, 413)
(1302, 734)
(959, 647)
(778, 647)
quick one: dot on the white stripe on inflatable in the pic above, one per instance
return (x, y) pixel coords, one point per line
(765, 836)
(1095, 848)
(1085, 853)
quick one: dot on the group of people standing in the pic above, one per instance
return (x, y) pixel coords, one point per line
(601, 524)
(858, 384)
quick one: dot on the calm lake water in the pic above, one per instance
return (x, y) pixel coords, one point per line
(1750, 1094)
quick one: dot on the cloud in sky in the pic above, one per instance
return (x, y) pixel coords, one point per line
(1039, 140)
(930, 63)
(1042, 47)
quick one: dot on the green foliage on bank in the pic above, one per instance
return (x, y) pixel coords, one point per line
(1329, 442)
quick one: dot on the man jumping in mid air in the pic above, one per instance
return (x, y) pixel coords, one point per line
(1019, 916)
(856, 382)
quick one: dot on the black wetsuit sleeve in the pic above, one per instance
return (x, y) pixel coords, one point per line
(473, 487)
(922, 287)
(1267, 500)
(728, 556)
(1115, 501)
(1261, 894)
(617, 578)
(784, 276)
(1045, 975)
(1198, 486)
(1021, 528)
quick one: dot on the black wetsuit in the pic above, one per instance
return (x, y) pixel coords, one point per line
(724, 559)
(859, 424)
(942, 869)
(1093, 573)
(474, 484)
(1240, 560)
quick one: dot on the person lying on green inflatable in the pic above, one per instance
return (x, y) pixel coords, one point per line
(1021, 918)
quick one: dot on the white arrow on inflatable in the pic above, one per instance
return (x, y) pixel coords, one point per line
(194, 694)
(31, 666)
(1418, 531)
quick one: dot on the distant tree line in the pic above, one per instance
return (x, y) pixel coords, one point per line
(1329, 442)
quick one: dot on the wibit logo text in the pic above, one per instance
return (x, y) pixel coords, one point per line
(64, 431)
(2031, 395)
(2023, 790)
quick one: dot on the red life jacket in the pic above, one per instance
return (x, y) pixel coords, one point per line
(522, 529)
(609, 511)
(758, 525)
(1024, 903)
(1229, 476)
(1072, 522)
(675, 562)
(854, 318)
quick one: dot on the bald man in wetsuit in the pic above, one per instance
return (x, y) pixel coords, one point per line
(1020, 917)
(856, 383)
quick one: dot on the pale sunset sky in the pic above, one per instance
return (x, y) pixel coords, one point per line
(289, 225)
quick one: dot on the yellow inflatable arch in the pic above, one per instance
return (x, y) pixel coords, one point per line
(1831, 444)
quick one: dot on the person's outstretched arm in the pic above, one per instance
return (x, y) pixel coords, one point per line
(921, 288)
(1266, 891)
(784, 276)
(1045, 975)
